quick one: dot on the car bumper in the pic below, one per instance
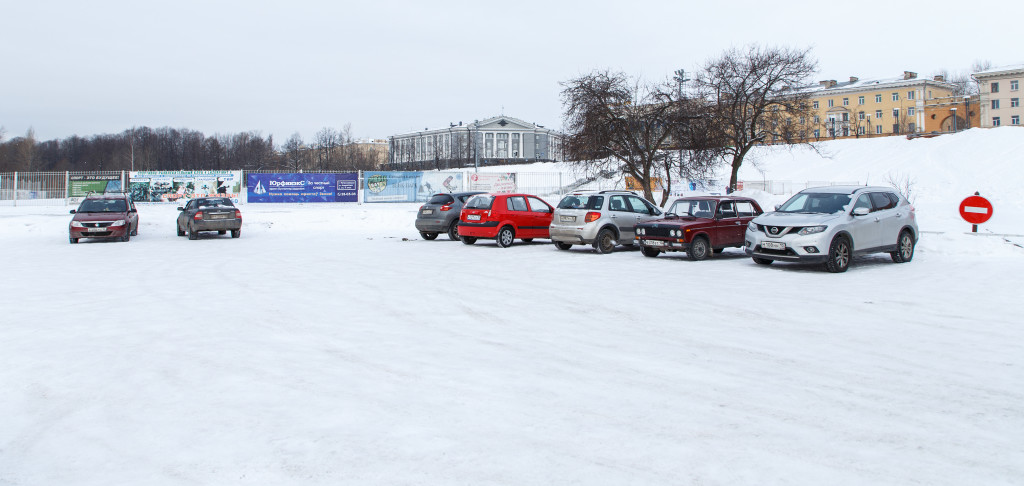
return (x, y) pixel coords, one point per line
(663, 244)
(804, 249)
(107, 232)
(216, 225)
(432, 225)
(573, 234)
(487, 229)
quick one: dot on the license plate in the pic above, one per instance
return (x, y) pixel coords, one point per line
(567, 219)
(654, 242)
(473, 217)
(219, 216)
(95, 229)
(428, 211)
(771, 245)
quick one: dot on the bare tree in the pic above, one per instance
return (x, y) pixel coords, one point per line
(326, 144)
(294, 152)
(751, 91)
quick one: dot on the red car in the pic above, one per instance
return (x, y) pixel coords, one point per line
(504, 217)
(698, 226)
(111, 216)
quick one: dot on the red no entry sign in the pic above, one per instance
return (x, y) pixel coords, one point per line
(975, 209)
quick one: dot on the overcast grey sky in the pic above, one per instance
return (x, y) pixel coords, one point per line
(387, 67)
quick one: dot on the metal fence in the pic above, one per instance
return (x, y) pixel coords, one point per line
(40, 188)
(788, 187)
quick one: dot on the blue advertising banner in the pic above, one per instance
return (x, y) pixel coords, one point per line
(297, 188)
(408, 186)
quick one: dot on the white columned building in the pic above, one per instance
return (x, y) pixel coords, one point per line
(498, 140)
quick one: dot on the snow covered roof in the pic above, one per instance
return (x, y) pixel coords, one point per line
(1000, 70)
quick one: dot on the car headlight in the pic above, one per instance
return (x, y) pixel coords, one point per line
(810, 230)
(119, 222)
(751, 226)
(76, 224)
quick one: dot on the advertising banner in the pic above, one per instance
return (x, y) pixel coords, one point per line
(81, 185)
(180, 186)
(493, 182)
(299, 188)
(408, 186)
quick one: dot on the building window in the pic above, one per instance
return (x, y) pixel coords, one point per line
(488, 145)
(830, 103)
(995, 104)
(814, 104)
(1014, 102)
(895, 128)
(910, 127)
(896, 113)
(994, 88)
(803, 120)
(1014, 85)
(817, 133)
(860, 100)
(995, 121)
(895, 96)
(515, 145)
(910, 95)
(846, 101)
(817, 119)
(861, 131)
(910, 111)
(502, 151)
(878, 114)
(878, 98)
(878, 129)
(860, 116)
(1015, 120)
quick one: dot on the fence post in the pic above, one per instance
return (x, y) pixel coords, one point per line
(359, 185)
(67, 187)
(15, 186)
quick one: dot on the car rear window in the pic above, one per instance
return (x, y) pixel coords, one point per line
(482, 201)
(441, 199)
(581, 201)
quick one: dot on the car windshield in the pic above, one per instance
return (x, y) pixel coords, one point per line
(810, 202)
(103, 206)
(482, 201)
(213, 203)
(698, 208)
(581, 201)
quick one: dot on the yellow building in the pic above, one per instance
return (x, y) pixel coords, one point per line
(873, 107)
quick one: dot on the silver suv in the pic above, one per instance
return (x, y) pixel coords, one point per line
(830, 225)
(600, 218)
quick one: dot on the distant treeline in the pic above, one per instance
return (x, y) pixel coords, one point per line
(145, 148)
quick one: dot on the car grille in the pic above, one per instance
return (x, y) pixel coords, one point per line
(97, 224)
(776, 231)
(659, 231)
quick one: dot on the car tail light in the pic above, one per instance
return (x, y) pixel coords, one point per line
(238, 214)
(446, 207)
(592, 216)
(198, 216)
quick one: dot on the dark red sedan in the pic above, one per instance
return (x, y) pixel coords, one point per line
(698, 226)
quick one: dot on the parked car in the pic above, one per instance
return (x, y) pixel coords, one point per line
(108, 216)
(209, 214)
(603, 219)
(504, 217)
(830, 225)
(699, 226)
(441, 214)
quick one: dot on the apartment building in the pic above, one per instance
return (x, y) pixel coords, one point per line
(1000, 95)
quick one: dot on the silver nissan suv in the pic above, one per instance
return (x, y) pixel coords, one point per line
(830, 225)
(603, 219)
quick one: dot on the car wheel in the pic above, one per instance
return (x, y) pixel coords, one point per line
(699, 249)
(650, 252)
(506, 236)
(222, 232)
(605, 241)
(72, 240)
(428, 236)
(838, 255)
(762, 261)
(453, 231)
(192, 234)
(904, 248)
(181, 232)
(467, 240)
(236, 233)
(135, 232)
(127, 235)
(561, 245)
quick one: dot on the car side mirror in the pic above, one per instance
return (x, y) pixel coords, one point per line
(777, 206)
(862, 211)
(180, 208)
(72, 211)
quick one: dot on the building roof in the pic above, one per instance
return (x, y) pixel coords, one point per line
(856, 84)
(1000, 70)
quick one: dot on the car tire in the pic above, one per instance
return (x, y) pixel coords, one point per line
(72, 240)
(222, 232)
(192, 234)
(561, 245)
(650, 252)
(236, 233)
(763, 261)
(127, 235)
(506, 236)
(453, 231)
(904, 248)
(428, 236)
(135, 232)
(467, 240)
(605, 241)
(181, 232)
(699, 249)
(839, 254)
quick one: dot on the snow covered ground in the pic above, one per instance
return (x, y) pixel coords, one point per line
(331, 345)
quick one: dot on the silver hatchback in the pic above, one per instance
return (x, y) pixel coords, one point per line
(599, 218)
(830, 225)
